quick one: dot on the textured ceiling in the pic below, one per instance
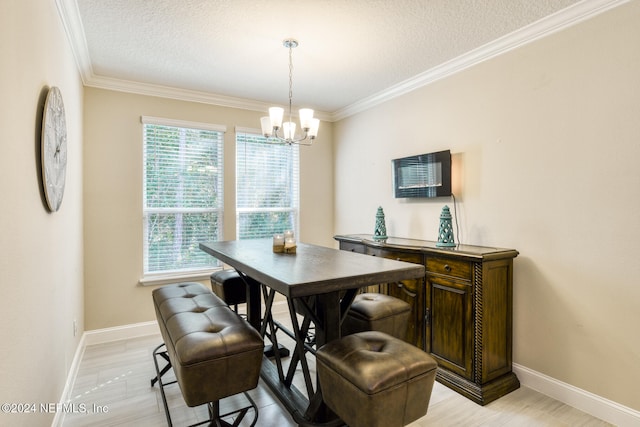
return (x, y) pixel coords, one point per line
(349, 50)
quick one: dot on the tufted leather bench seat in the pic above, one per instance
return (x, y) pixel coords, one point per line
(214, 353)
(371, 379)
(377, 312)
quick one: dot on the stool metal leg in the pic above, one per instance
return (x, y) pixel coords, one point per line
(215, 418)
(156, 353)
(166, 368)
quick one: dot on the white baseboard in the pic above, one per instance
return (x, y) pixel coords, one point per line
(585, 401)
(58, 419)
(99, 336)
(605, 409)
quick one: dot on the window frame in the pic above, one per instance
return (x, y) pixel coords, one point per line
(294, 209)
(194, 273)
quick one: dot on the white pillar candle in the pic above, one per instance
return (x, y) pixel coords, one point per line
(278, 243)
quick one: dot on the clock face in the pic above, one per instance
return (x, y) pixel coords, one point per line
(54, 149)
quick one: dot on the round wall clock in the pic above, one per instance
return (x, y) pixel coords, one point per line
(54, 149)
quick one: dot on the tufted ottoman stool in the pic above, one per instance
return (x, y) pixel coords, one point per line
(371, 379)
(377, 312)
(228, 285)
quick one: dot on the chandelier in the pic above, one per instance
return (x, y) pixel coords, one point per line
(285, 133)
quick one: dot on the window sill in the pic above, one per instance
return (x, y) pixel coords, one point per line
(165, 278)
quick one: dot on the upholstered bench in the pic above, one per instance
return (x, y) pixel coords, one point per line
(213, 352)
(377, 312)
(371, 379)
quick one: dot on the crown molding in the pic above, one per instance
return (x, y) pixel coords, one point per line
(183, 94)
(584, 10)
(72, 23)
(558, 21)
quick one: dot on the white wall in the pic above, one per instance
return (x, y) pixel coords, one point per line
(545, 143)
(113, 195)
(41, 253)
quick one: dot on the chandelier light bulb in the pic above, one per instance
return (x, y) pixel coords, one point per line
(267, 128)
(275, 114)
(313, 128)
(306, 115)
(289, 129)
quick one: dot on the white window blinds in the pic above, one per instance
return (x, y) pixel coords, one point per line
(183, 194)
(267, 186)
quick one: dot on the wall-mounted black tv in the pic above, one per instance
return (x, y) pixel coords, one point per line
(424, 175)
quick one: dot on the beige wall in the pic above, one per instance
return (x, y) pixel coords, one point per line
(545, 143)
(113, 195)
(41, 254)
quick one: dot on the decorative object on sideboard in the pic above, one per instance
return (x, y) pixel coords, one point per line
(380, 232)
(445, 232)
(53, 146)
(273, 122)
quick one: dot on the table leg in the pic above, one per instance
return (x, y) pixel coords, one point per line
(254, 304)
(328, 312)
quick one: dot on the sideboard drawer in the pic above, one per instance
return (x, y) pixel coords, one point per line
(450, 267)
(352, 247)
(414, 257)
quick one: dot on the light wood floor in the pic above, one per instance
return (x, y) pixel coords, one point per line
(112, 388)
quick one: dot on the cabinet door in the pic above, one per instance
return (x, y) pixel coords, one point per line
(410, 291)
(449, 328)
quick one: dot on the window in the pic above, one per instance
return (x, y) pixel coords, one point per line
(267, 186)
(183, 194)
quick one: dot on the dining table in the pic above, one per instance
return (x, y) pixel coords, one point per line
(319, 284)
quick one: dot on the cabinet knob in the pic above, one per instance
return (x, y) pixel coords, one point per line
(447, 268)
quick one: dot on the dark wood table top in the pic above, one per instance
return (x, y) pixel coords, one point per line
(312, 269)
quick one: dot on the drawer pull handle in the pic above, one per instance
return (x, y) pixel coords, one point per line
(447, 268)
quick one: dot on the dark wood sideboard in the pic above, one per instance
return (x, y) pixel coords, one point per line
(461, 310)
